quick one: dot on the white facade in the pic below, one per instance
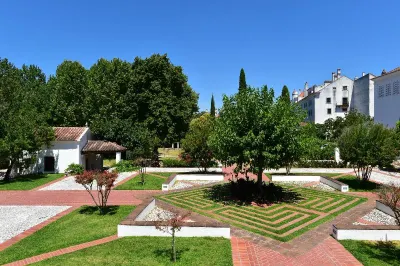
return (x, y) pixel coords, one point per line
(387, 98)
(363, 95)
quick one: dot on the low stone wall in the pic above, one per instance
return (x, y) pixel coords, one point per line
(169, 183)
(366, 232)
(197, 225)
(384, 208)
(304, 178)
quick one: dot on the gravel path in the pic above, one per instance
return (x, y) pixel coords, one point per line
(158, 214)
(385, 179)
(69, 183)
(16, 219)
(191, 183)
(378, 216)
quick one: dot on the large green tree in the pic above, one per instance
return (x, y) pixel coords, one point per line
(68, 91)
(212, 109)
(195, 143)
(255, 130)
(285, 95)
(23, 128)
(242, 80)
(367, 145)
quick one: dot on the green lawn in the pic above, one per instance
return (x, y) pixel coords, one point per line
(163, 174)
(151, 251)
(28, 182)
(358, 186)
(152, 182)
(108, 162)
(373, 253)
(168, 152)
(281, 221)
(82, 225)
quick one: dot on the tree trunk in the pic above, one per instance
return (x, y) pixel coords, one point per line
(7, 177)
(288, 167)
(173, 246)
(259, 177)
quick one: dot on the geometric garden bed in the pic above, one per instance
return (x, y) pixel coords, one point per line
(281, 221)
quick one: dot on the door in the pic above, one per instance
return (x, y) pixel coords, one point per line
(49, 163)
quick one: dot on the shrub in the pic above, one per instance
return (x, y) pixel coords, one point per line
(104, 181)
(390, 196)
(74, 169)
(171, 162)
(126, 166)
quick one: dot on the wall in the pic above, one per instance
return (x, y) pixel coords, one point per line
(64, 152)
(387, 108)
(363, 95)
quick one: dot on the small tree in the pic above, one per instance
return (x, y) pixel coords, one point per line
(366, 146)
(171, 226)
(390, 196)
(212, 109)
(242, 80)
(103, 181)
(285, 95)
(195, 142)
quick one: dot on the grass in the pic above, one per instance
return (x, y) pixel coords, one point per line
(152, 182)
(151, 251)
(108, 162)
(168, 152)
(374, 253)
(310, 205)
(28, 182)
(82, 225)
(358, 186)
(163, 174)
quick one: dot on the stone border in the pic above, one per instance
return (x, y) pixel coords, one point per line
(384, 208)
(366, 232)
(169, 183)
(202, 226)
(342, 187)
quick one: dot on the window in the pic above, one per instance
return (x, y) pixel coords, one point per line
(345, 88)
(309, 103)
(388, 90)
(49, 163)
(381, 92)
(329, 111)
(396, 89)
(344, 109)
(334, 88)
(345, 101)
(328, 100)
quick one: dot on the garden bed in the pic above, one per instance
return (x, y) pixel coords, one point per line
(142, 222)
(312, 178)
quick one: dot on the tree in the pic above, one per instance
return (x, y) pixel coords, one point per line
(368, 145)
(253, 130)
(242, 80)
(69, 93)
(195, 142)
(212, 109)
(103, 182)
(390, 196)
(23, 130)
(171, 226)
(285, 95)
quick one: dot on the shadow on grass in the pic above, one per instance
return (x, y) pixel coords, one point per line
(93, 210)
(357, 185)
(166, 253)
(245, 192)
(24, 178)
(385, 251)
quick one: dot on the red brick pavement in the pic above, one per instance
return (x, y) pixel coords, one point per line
(63, 251)
(229, 174)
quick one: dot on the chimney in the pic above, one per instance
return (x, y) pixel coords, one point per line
(363, 74)
(333, 76)
(339, 72)
(306, 86)
(355, 77)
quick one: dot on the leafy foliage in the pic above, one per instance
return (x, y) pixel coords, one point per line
(126, 166)
(242, 80)
(172, 162)
(368, 145)
(74, 169)
(390, 196)
(212, 109)
(195, 142)
(285, 95)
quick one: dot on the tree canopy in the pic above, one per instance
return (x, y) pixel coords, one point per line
(212, 109)
(285, 95)
(256, 131)
(242, 80)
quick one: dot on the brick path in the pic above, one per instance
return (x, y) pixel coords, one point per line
(229, 174)
(63, 251)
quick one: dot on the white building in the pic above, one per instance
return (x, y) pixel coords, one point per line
(73, 145)
(362, 98)
(329, 100)
(387, 97)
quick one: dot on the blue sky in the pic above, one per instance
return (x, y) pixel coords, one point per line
(276, 42)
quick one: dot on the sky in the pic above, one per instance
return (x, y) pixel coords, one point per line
(285, 42)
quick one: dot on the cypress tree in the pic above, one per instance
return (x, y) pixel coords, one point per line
(285, 95)
(212, 109)
(242, 80)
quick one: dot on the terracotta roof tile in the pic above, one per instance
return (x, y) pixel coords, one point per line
(69, 133)
(102, 146)
(384, 73)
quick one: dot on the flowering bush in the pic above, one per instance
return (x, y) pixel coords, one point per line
(103, 183)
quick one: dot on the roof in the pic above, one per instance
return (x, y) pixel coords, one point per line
(384, 73)
(69, 133)
(102, 146)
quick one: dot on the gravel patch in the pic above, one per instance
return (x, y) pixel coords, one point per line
(293, 183)
(69, 183)
(180, 185)
(378, 216)
(324, 187)
(191, 183)
(16, 219)
(385, 179)
(158, 214)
